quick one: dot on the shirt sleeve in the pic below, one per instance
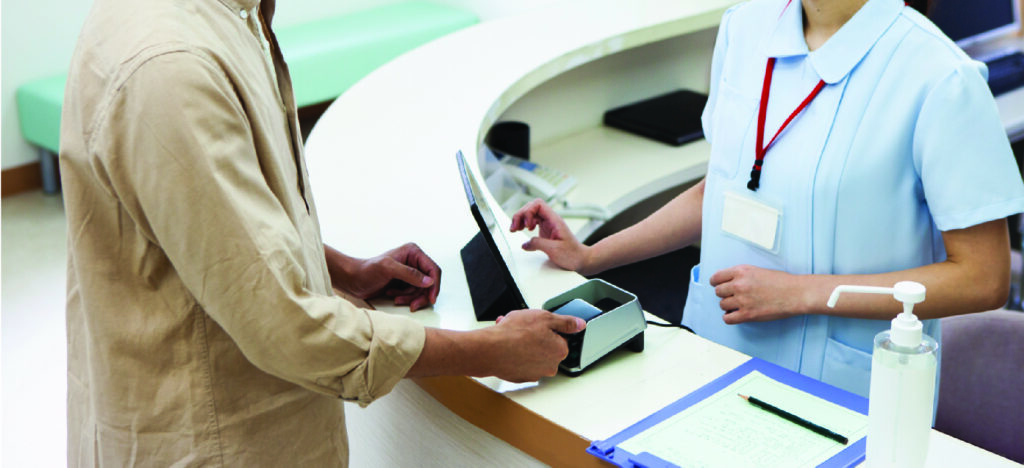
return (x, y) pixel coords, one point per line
(179, 155)
(963, 155)
(717, 58)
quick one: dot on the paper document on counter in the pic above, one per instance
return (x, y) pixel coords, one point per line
(725, 430)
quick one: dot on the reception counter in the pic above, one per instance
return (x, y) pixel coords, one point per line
(383, 170)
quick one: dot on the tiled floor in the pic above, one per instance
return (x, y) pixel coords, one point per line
(34, 351)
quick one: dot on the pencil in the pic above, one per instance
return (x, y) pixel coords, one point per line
(795, 419)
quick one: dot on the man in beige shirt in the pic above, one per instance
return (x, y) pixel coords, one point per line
(203, 328)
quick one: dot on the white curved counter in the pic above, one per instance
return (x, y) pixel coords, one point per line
(383, 172)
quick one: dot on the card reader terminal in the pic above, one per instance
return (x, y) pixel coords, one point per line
(609, 325)
(584, 310)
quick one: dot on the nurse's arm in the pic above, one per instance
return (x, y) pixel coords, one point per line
(672, 227)
(974, 277)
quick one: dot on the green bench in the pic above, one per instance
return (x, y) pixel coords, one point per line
(325, 57)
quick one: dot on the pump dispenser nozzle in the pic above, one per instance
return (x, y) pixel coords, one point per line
(906, 328)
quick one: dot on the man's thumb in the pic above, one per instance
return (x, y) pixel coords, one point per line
(568, 324)
(408, 274)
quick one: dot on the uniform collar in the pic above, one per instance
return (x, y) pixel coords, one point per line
(834, 60)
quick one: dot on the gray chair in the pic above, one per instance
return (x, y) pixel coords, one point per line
(982, 381)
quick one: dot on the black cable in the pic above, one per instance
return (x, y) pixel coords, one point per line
(671, 325)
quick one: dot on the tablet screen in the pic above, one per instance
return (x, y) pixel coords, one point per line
(493, 235)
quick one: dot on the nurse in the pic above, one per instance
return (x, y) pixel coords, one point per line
(851, 143)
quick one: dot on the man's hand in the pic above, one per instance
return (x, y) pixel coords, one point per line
(523, 346)
(752, 294)
(406, 274)
(555, 239)
(529, 345)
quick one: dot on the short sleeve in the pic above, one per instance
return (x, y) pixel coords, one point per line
(963, 155)
(717, 58)
(179, 153)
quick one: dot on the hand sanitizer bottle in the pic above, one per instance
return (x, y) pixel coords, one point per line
(902, 390)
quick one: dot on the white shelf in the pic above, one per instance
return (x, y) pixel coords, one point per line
(616, 169)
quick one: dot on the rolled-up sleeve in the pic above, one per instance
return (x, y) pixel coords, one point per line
(191, 177)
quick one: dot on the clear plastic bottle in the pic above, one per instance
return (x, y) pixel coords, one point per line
(902, 393)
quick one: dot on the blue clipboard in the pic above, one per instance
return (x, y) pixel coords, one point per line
(609, 451)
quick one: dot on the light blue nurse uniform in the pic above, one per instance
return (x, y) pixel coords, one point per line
(903, 142)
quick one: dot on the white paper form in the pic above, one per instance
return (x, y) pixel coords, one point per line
(724, 430)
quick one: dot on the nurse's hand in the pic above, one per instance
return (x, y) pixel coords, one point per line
(752, 294)
(555, 239)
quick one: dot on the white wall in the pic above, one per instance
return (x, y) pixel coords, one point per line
(38, 37)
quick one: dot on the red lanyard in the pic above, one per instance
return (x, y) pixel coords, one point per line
(760, 150)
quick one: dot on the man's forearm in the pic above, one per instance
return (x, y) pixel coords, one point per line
(449, 352)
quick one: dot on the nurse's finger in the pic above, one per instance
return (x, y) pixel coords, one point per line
(722, 276)
(725, 290)
(729, 304)
(528, 216)
(733, 318)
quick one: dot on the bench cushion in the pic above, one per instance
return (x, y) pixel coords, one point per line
(39, 103)
(328, 56)
(325, 57)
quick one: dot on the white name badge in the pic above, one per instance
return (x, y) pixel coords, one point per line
(751, 220)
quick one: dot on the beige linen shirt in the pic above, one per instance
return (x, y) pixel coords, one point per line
(202, 326)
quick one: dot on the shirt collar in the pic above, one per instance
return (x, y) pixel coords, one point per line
(237, 6)
(837, 57)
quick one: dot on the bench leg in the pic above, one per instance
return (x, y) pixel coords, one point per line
(48, 166)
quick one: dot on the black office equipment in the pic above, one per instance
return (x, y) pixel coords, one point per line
(970, 23)
(672, 118)
(491, 286)
(509, 138)
(1006, 73)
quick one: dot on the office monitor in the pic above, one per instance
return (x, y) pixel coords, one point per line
(969, 22)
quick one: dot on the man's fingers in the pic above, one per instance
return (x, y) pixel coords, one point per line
(420, 261)
(567, 324)
(418, 299)
(406, 273)
(418, 303)
(399, 291)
